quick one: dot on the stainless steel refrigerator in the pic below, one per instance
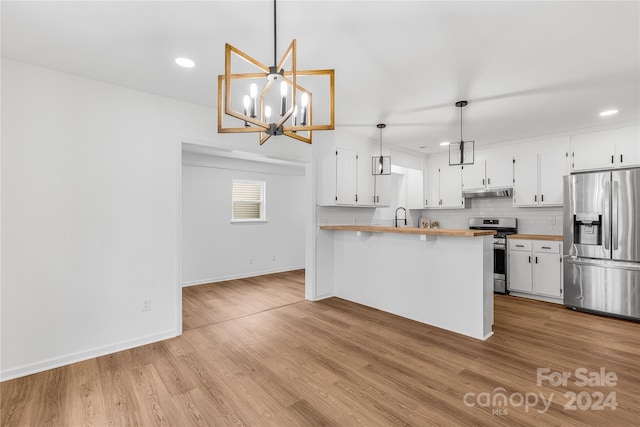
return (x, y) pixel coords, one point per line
(602, 242)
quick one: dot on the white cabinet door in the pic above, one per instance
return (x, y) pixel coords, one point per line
(520, 271)
(546, 274)
(627, 146)
(451, 187)
(432, 193)
(553, 167)
(603, 150)
(415, 190)
(473, 176)
(525, 174)
(346, 173)
(591, 151)
(383, 190)
(499, 169)
(365, 181)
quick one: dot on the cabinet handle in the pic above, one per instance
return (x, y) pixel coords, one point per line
(542, 198)
(519, 246)
(356, 197)
(611, 159)
(536, 260)
(482, 181)
(535, 198)
(489, 181)
(620, 158)
(529, 259)
(546, 247)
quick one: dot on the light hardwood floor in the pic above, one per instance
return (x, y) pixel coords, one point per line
(255, 353)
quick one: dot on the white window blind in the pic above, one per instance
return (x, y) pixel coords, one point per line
(248, 200)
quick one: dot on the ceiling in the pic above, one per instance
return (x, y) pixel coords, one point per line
(527, 68)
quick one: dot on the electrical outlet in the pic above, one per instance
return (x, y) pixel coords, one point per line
(553, 220)
(250, 260)
(274, 258)
(146, 304)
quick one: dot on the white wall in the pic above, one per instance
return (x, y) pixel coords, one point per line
(213, 248)
(90, 214)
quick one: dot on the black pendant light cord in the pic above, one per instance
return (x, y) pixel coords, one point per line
(461, 125)
(275, 32)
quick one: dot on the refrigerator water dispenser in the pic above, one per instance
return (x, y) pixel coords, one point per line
(587, 228)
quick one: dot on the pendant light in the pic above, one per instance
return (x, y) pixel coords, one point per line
(250, 108)
(381, 165)
(461, 153)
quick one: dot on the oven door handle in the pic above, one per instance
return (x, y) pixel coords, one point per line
(503, 247)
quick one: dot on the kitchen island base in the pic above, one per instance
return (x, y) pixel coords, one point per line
(444, 281)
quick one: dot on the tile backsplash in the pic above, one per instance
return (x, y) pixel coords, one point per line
(546, 220)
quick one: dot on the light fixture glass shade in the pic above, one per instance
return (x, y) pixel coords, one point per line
(381, 165)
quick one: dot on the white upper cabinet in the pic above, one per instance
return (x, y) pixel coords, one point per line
(499, 168)
(444, 189)
(451, 187)
(538, 171)
(553, 168)
(432, 191)
(474, 176)
(606, 149)
(382, 193)
(415, 189)
(365, 188)
(525, 180)
(346, 177)
(492, 170)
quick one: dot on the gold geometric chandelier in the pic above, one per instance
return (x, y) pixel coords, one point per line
(271, 100)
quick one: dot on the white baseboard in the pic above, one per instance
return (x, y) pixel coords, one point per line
(56, 362)
(323, 296)
(240, 276)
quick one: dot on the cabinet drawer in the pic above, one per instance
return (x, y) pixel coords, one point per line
(546, 246)
(519, 245)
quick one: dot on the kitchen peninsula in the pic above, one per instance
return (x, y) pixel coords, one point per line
(441, 277)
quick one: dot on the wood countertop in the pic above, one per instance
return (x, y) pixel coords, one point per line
(553, 237)
(456, 232)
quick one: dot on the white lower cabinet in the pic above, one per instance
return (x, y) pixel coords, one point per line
(535, 268)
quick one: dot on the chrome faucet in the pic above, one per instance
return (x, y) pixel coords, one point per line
(396, 216)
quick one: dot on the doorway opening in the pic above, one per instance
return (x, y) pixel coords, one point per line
(231, 268)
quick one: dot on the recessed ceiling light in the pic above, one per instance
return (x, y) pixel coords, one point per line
(423, 146)
(185, 62)
(445, 143)
(608, 113)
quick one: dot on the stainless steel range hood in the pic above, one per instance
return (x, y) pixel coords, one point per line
(496, 192)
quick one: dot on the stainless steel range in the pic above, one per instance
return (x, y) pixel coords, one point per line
(503, 227)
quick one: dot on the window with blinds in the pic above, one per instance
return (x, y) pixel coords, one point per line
(247, 200)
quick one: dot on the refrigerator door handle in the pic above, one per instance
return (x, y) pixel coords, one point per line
(614, 216)
(605, 263)
(607, 215)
